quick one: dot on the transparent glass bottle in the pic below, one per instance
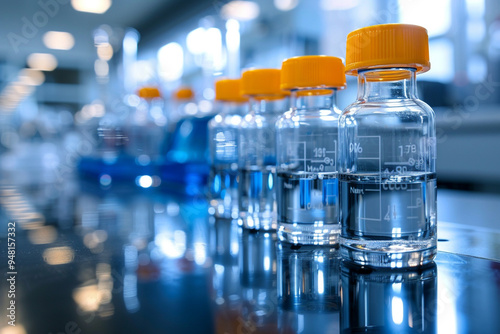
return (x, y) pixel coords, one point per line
(182, 105)
(257, 149)
(146, 127)
(307, 151)
(223, 141)
(387, 157)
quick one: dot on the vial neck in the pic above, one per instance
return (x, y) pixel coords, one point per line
(307, 100)
(269, 104)
(386, 83)
(233, 108)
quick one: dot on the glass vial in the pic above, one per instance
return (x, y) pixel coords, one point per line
(223, 142)
(257, 150)
(146, 127)
(387, 157)
(307, 151)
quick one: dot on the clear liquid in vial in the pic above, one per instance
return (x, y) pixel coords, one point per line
(388, 221)
(257, 197)
(308, 210)
(224, 190)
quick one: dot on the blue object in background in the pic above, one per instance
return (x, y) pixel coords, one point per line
(186, 161)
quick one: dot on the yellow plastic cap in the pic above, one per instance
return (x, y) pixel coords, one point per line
(184, 93)
(229, 90)
(149, 92)
(394, 45)
(312, 71)
(262, 82)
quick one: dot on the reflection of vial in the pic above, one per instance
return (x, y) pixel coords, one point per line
(307, 151)
(223, 142)
(146, 128)
(308, 289)
(257, 149)
(387, 156)
(388, 301)
(226, 292)
(258, 282)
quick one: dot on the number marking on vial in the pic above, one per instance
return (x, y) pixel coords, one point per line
(319, 159)
(406, 149)
(355, 147)
(319, 152)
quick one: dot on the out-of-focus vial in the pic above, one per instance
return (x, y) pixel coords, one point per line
(183, 105)
(388, 151)
(257, 149)
(188, 143)
(146, 127)
(307, 151)
(223, 141)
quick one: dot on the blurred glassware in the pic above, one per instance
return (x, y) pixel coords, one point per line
(105, 157)
(257, 148)
(102, 123)
(146, 131)
(185, 168)
(223, 142)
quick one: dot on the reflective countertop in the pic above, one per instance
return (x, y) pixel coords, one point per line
(92, 260)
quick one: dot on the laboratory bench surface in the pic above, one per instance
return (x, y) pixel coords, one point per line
(90, 260)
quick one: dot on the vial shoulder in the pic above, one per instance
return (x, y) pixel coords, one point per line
(257, 121)
(389, 108)
(298, 118)
(225, 121)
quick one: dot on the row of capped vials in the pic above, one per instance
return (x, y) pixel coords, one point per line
(285, 157)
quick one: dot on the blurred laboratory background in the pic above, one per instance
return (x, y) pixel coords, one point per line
(65, 66)
(86, 85)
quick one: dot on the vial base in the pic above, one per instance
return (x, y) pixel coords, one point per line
(308, 208)
(264, 221)
(389, 220)
(219, 209)
(257, 198)
(223, 182)
(308, 234)
(390, 253)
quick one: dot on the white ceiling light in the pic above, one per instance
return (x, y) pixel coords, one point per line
(58, 255)
(101, 68)
(240, 10)
(286, 5)
(42, 61)
(91, 6)
(58, 40)
(196, 42)
(170, 62)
